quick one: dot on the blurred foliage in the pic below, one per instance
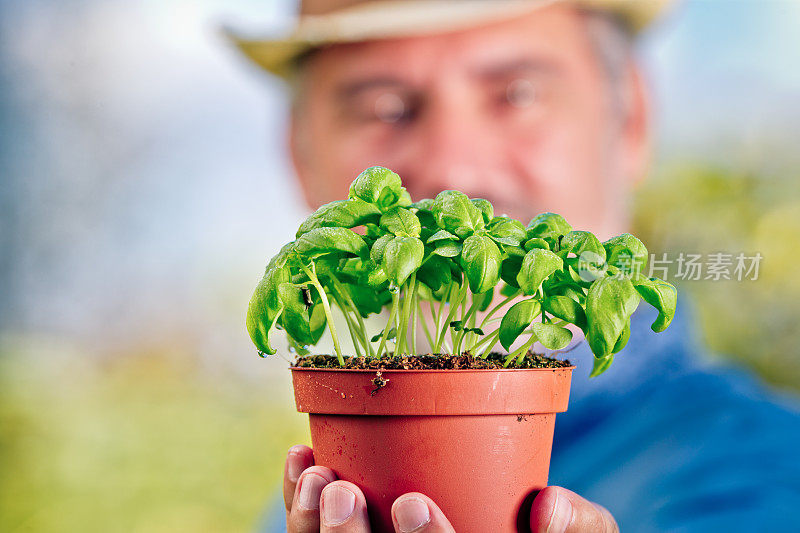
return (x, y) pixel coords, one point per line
(702, 209)
(146, 443)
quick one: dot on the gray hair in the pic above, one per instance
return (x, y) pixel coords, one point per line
(612, 42)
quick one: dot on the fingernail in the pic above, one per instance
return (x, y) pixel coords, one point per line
(297, 461)
(337, 505)
(411, 514)
(562, 515)
(311, 486)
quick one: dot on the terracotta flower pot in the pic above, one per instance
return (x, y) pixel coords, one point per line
(476, 441)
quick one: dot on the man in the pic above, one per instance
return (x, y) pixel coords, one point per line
(537, 106)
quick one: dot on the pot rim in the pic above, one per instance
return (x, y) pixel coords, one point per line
(431, 392)
(425, 370)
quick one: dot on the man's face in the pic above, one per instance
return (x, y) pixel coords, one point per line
(518, 112)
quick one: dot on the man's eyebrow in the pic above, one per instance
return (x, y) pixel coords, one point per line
(515, 67)
(354, 88)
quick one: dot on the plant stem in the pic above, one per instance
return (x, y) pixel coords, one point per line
(326, 306)
(399, 329)
(460, 306)
(464, 320)
(488, 350)
(414, 316)
(487, 338)
(361, 327)
(408, 298)
(392, 315)
(520, 352)
(339, 300)
(447, 347)
(497, 308)
(424, 324)
(350, 325)
(353, 333)
(437, 317)
(454, 305)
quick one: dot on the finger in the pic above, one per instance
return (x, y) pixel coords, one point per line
(415, 512)
(298, 459)
(304, 515)
(343, 509)
(558, 510)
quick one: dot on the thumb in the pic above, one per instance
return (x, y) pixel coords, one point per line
(415, 512)
(558, 510)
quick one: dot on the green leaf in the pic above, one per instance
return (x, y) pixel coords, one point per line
(516, 320)
(323, 241)
(379, 186)
(548, 226)
(422, 205)
(601, 364)
(265, 306)
(448, 249)
(379, 247)
(508, 290)
(661, 295)
(435, 273)
(537, 266)
(623, 339)
(442, 235)
(456, 325)
(401, 222)
(513, 250)
(481, 259)
(509, 270)
(486, 208)
(610, 303)
(536, 242)
(483, 299)
(301, 325)
(578, 242)
(342, 214)
(423, 209)
(455, 213)
(377, 277)
(551, 336)
(402, 257)
(351, 269)
(626, 252)
(392, 333)
(404, 200)
(507, 231)
(567, 309)
(367, 300)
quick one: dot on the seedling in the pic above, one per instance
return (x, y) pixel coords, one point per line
(454, 257)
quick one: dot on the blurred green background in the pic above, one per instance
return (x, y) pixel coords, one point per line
(144, 184)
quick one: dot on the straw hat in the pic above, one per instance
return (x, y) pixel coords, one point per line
(325, 22)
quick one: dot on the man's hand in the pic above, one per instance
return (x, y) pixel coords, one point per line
(316, 501)
(558, 510)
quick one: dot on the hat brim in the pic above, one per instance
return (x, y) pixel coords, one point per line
(406, 18)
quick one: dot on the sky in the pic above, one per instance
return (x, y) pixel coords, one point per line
(142, 169)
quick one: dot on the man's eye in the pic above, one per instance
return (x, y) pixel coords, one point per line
(390, 108)
(521, 93)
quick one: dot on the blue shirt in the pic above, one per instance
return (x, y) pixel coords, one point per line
(668, 440)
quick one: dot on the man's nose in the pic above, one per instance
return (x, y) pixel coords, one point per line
(453, 150)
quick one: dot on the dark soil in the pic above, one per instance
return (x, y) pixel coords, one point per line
(429, 362)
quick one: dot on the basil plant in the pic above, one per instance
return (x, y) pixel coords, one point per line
(452, 257)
